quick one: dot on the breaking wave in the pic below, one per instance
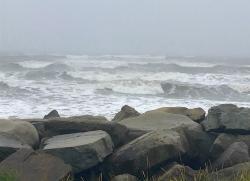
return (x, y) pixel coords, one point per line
(200, 91)
(163, 67)
(11, 67)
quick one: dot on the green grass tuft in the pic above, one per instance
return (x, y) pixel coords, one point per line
(7, 176)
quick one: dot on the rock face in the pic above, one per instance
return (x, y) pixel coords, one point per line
(126, 112)
(149, 151)
(235, 153)
(230, 173)
(223, 141)
(158, 120)
(26, 165)
(22, 131)
(178, 172)
(52, 114)
(58, 126)
(228, 118)
(196, 114)
(81, 150)
(198, 140)
(154, 120)
(124, 177)
(9, 145)
(200, 143)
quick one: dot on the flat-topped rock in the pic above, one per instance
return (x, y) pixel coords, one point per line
(81, 150)
(196, 114)
(58, 126)
(9, 145)
(228, 118)
(22, 131)
(28, 165)
(154, 120)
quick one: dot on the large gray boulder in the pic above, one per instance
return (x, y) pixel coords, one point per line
(236, 153)
(125, 112)
(199, 140)
(124, 177)
(22, 131)
(223, 141)
(154, 120)
(196, 114)
(228, 118)
(27, 165)
(148, 151)
(200, 143)
(58, 126)
(81, 150)
(9, 145)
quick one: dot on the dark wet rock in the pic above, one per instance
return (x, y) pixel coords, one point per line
(52, 114)
(228, 118)
(236, 153)
(196, 114)
(81, 150)
(200, 143)
(39, 125)
(223, 141)
(27, 165)
(124, 177)
(126, 112)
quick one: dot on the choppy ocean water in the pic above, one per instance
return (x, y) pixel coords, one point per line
(31, 86)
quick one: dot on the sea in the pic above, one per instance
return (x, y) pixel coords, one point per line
(33, 85)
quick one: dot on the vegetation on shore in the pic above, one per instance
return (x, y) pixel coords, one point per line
(8, 176)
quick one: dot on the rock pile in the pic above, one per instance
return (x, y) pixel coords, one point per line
(164, 144)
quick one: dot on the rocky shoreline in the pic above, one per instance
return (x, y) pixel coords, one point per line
(160, 145)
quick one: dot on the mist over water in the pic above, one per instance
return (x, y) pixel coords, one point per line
(101, 85)
(111, 55)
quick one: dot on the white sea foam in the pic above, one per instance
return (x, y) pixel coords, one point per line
(96, 85)
(34, 64)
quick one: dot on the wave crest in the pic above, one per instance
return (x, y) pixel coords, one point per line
(199, 91)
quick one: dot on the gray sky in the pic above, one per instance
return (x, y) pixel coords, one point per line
(166, 27)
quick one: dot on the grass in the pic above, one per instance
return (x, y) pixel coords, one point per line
(202, 175)
(12, 176)
(8, 176)
(205, 176)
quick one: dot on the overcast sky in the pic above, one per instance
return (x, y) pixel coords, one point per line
(160, 27)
